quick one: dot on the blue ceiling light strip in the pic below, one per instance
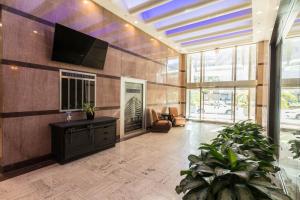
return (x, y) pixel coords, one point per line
(211, 30)
(201, 12)
(166, 8)
(223, 36)
(210, 21)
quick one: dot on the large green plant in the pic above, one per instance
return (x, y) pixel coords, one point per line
(231, 167)
(247, 139)
(295, 148)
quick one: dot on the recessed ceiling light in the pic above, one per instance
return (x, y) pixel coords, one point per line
(0, 24)
(136, 22)
(259, 12)
(35, 32)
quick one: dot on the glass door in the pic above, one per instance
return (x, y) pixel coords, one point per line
(132, 106)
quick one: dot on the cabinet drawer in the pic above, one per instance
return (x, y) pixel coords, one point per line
(104, 135)
(77, 142)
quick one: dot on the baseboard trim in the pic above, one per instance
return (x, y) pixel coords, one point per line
(25, 163)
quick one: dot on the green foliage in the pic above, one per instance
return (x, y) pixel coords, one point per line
(287, 98)
(238, 164)
(88, 108)
(242, 100)
(295, 148)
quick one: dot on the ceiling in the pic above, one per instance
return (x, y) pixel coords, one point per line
(194, 25)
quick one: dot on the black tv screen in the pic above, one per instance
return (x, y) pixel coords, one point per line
(77, 48)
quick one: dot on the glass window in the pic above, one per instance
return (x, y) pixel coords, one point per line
(76, 89)
(194, 67)
(173, 65)
(79, 94)
(291, 58)
(194, 104)
(218, 65)
(246, 62)
(64, 93)
(245, 104)
(290, 112)
(217, 104)
(290, 108)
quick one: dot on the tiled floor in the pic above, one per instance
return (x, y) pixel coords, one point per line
(144, 168)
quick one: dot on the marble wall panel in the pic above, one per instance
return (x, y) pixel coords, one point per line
(108, 92)
(27, 89)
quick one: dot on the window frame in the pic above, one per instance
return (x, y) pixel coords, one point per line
(234, 84)
(61, 76)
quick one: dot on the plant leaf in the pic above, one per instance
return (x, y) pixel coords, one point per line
(196, 194)
(274, 194)
(220, 171)
(189, 183)
(204, 169)
(232, 158)
(193, 158)
(226, 194)
(243, 192)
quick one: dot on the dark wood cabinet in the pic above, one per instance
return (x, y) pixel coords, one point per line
(75, 139)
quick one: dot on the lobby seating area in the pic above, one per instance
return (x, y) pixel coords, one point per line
(150, 100)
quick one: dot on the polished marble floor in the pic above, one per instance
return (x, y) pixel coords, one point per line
(142, 168)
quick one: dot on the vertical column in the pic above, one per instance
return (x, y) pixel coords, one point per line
(183, 76)
(262, 76)
(1, 87)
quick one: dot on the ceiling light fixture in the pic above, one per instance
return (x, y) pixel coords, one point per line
(35, 32)
(136, 22)
(0, 24)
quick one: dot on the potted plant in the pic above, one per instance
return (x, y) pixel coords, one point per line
(89, 111)
(232, 167)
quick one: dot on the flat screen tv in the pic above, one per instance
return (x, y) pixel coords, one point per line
(77, 48)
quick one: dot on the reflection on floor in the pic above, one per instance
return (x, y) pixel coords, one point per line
(144, 168)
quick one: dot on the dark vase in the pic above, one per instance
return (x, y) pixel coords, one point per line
(90, 116)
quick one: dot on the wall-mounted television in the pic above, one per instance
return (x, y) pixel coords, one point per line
(74, 47)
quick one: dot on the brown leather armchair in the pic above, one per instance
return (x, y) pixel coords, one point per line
(159, 125)
(177, 120)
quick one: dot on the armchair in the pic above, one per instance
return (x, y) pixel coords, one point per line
(177, 120)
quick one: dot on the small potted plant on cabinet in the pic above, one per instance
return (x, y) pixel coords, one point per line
(89, 111)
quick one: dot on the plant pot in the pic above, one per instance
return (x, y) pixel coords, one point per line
(90, 116)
